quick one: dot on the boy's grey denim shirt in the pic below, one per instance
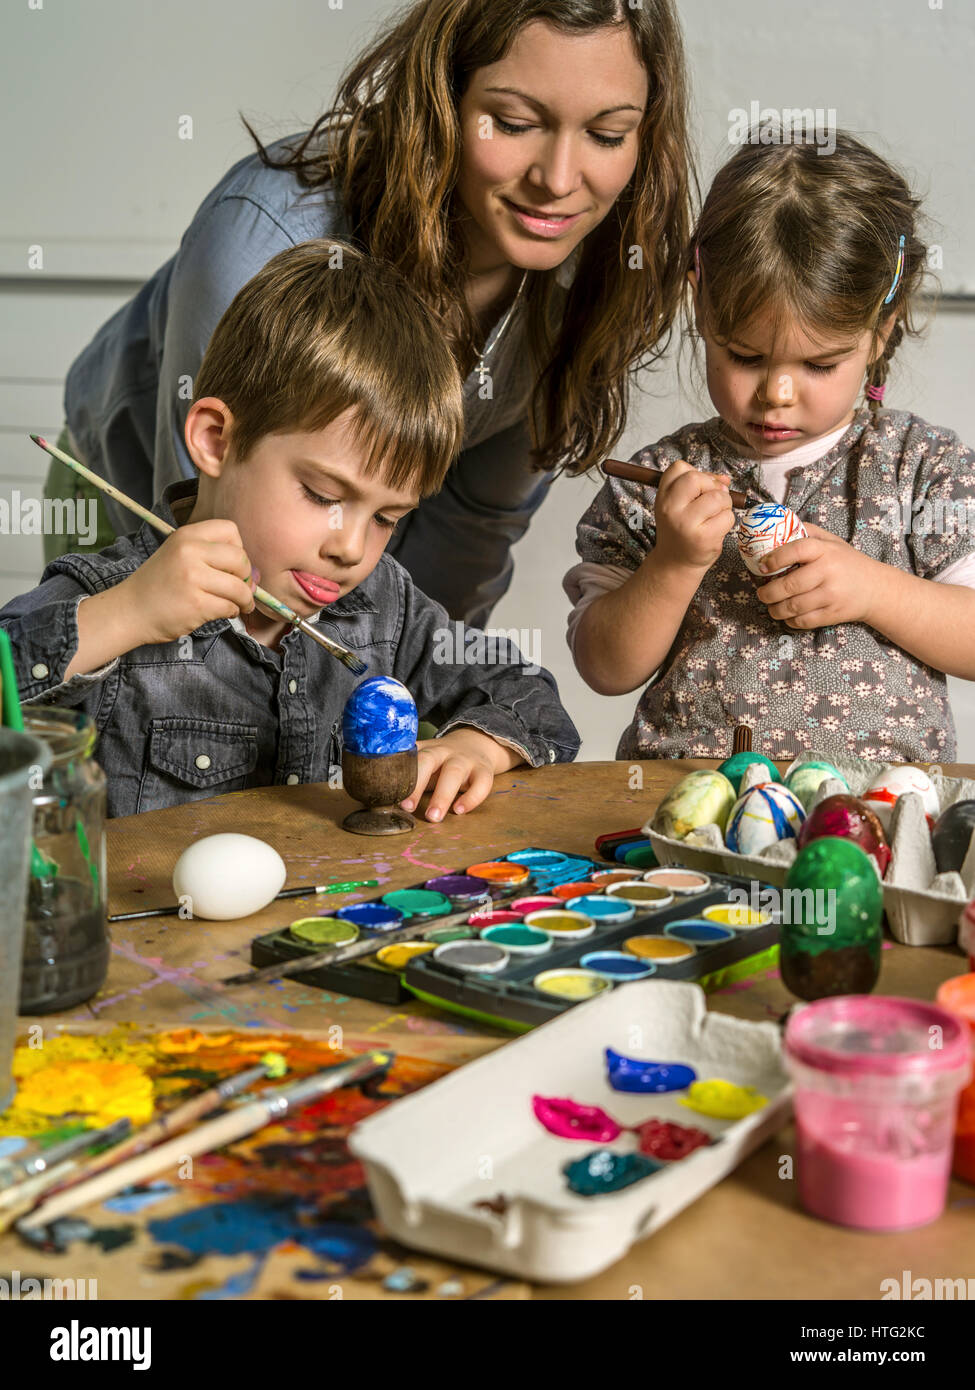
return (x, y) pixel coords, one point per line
(217, 711)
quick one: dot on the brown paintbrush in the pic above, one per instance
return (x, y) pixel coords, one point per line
(650, 477)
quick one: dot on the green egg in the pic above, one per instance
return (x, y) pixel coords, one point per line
(698, 799)
(734, 768)
(806, 779)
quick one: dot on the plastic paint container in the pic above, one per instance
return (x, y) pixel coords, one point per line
(371, 916)
(537, 859)
(417, 902)
(539, 903)
(498, 871)
(479, 956)
(324, 929)
(571, 984)
(617, 965)
(958, 997)
(606, 911)
(875, 1105)
(565, 891)
(646, 894)
(398, 955)
(485, 917)
(441, 934)
(662, 948)
(604, 877)
(461, 889)
(564, 925)
(520, 940)
(680, 881)
(699, 933)
(737, 915)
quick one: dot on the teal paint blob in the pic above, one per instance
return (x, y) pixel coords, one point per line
(603, 1171)
(417, 902)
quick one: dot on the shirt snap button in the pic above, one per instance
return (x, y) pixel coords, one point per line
(292, 780)
(202, 761)
(551, 755)
(39, 671)
(292, 687)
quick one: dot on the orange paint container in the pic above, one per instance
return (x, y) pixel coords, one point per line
(958, 997)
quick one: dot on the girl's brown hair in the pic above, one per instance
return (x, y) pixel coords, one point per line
(812, 236)
(322, 328)
(392, 143)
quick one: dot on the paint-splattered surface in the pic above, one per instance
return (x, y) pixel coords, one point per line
(745, 1238)
(281, 1213)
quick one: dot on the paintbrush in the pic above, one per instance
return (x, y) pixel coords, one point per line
(347, 658)
(338, 955)
(288, 893)
(642, 473)
(17, 1171)
(272, 1104)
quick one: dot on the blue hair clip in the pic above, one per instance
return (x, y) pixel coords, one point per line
(898, 272)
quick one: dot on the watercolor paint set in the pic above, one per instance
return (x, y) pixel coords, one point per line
(516, 941)
(599, 1128)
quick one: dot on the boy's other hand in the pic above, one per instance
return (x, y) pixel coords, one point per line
(463, 764)
(199, 573)
(693, 515)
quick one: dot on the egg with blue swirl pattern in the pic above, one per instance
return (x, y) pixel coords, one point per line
(765, 527)
(380, 717)
(762, 816)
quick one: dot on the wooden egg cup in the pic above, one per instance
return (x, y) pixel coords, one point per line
(379, 782)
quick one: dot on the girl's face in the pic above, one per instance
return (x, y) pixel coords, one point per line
(550, 140)
(777, 392)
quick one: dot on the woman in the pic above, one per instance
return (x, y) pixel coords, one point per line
(527, 166)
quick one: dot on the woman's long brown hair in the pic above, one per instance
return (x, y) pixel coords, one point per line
(392, 144)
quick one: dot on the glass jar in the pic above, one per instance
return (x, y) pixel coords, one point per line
(66, 942)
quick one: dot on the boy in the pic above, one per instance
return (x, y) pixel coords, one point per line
(326, 406)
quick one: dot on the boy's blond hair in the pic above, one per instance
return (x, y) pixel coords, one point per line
(322, 328)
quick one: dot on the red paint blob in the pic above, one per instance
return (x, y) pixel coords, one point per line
(665, 1140)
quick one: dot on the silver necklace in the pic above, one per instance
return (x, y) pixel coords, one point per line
(481, 369)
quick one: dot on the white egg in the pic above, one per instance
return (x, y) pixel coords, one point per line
(225, 876)
(882, 793)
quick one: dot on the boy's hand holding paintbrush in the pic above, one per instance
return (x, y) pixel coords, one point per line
(199, 573)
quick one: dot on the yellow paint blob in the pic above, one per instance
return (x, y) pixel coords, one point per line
(101, 1092)
(571, 985)
(736, 915)
(724, 1100)
(658, 948)
(396, 956)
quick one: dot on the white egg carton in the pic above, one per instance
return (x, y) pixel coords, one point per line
(922, 906)
(473, 1135)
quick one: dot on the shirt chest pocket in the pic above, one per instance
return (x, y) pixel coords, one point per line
(190, 759)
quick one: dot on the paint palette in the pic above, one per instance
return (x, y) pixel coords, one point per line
(542, 931)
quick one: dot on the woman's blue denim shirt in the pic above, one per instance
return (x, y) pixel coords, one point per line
(217, 711)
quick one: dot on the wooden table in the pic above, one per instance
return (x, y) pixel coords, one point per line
(746, 1238)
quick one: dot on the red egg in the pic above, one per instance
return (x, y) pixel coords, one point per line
(851, 819)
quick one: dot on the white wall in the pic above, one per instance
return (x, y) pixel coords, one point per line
(92, 94)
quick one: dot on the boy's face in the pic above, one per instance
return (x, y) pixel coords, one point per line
(312, 522)
(778, 392)
(571, 150)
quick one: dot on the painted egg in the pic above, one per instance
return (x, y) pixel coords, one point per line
(831, 927)
(881, 795)
(734, 768)
(806, 780)
(225, 876)
(765, 527)
(763, 816)
(848, 818)
(379, 717)
(952, 835)
(697, 799)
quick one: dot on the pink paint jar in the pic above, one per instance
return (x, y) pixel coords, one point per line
(876, 1090)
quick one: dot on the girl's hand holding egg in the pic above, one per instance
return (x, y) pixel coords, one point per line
(693, 515)
(833, 582)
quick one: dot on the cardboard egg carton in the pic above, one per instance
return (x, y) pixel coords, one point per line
(922, 906)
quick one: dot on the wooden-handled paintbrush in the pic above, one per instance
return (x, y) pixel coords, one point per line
(650, 477)
(347, 658)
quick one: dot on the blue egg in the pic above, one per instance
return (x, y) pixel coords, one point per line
(380, 717)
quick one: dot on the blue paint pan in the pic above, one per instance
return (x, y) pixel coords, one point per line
(699, 933)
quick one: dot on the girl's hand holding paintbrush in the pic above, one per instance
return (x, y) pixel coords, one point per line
(199, 573)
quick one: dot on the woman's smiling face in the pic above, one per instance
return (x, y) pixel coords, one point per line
(553, 128)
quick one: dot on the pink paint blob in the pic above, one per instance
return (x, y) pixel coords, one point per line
(570, 1120)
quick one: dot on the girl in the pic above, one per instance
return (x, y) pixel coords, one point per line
(805, 271)
(526, 165)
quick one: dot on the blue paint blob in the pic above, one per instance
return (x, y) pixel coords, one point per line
(633, 1074)
(699, 933)
(380, 717)
(603, 1171)
(251, 1227)
(12, 1145)
(617, 965)
(371, 916)
(607, 910)
(137, 1198)
(537, 858)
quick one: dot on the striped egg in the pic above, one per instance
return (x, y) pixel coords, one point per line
(765, 814)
